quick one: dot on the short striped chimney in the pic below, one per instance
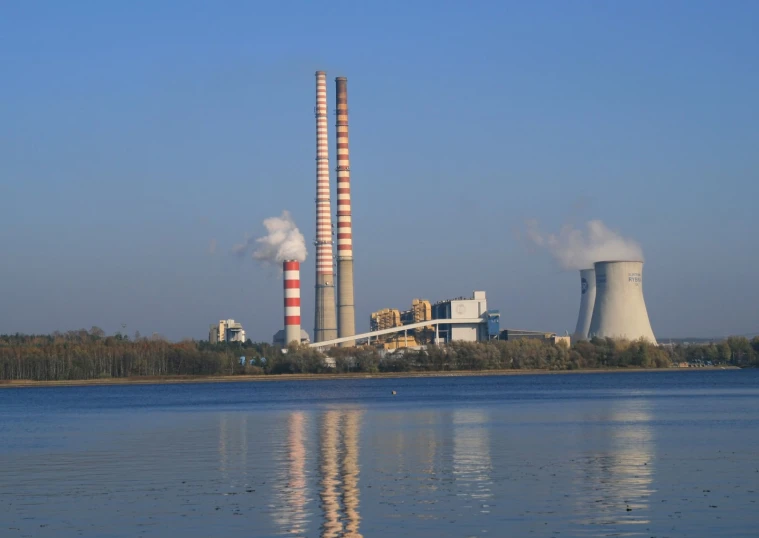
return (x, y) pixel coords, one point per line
(325, 321)
(292, 301)
(345, 306)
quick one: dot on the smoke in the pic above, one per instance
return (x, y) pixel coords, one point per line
(579, 249)
(283, 241)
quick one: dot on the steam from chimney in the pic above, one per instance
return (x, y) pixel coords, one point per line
(580, 249)
(283, 241)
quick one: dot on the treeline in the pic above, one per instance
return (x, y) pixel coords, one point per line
(81, 355)
(496, 355)
(735, 350)
(92, 355)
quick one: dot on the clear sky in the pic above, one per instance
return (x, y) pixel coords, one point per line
(135, 136)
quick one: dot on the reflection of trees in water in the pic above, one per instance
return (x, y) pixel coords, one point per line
(339, 470)
(471, 454)
(618, 472)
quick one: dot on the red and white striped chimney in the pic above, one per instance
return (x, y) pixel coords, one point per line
(292, 301)
(325, 320)
(346, 317)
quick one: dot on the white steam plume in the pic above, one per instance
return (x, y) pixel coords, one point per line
(579, 249)
(283, 241)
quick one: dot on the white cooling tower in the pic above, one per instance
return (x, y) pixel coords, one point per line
(619, 310)
(587, 300)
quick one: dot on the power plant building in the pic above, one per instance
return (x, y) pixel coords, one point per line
(463, 308)
(227, 330)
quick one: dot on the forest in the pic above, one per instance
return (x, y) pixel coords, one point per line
(83, 355)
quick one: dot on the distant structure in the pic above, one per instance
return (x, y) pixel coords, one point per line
(346, 315)
(291, 269)
(587, 300)
(325, 320)
(227, 330)
(619, 310)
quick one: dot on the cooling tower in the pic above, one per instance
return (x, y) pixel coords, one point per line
(346, 316)
(587, 300)
(325, 321)
(619, 310)
(291, 270)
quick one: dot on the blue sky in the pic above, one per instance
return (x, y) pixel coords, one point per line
(135, 134)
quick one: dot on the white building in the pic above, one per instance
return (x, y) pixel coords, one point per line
(463, 308)
(227, 330)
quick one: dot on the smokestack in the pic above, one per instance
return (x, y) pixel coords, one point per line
(587, 300)
(325, 321)
(619, 310)
(291, 270)
(345, 307)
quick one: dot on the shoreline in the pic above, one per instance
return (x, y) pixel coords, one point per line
(171, 380)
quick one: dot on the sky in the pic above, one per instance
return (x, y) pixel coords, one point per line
(141, 140)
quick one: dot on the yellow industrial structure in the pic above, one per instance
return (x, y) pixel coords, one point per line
(387, 318)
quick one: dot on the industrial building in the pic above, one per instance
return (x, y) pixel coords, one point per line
(611, 292)
(516, 334)
(227, 330)
(460, 319)
(464, 308)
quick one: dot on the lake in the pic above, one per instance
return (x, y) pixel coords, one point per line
(660, 454)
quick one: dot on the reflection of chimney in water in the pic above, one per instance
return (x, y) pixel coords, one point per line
(290, 495)
(332, 526)
(618, 471)
(350, 473)
(339, 470)
(297, 483)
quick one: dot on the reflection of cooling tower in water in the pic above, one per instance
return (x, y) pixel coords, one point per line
(632, 455)
(619, 310)
(618, 472)
(587, 299)
(339, 470)
(471, 454)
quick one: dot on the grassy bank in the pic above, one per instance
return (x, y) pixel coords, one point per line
(157, 380)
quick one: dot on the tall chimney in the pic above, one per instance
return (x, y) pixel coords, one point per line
(325, 321)
(345, 308)
(291, 270)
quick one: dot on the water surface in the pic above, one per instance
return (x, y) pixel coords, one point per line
(628, 454)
